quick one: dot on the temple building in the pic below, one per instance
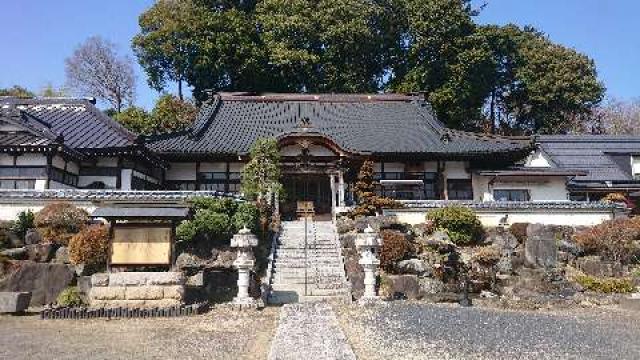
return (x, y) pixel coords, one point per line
(323, 139)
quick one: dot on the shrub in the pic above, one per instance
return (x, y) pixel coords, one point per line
(519, 230)
(605, 285)
(24, 222)
(369, 202)
(461, 224)
(246, 215)
(59, 222)
(614, 198)
(615, 240)
(90, 246)
(395, 247)
(210, 224)
(226, 205)
(69, 297)
(487, 256)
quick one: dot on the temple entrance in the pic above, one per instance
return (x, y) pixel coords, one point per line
(314, 189)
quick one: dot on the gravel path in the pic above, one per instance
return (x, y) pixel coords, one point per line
(419, 331)
(309, 331)
(220, 334)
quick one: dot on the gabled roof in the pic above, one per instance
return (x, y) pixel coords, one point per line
(78, 121)
(366, 124)
(603, 157)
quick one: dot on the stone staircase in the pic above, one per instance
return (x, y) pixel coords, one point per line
(308, 265)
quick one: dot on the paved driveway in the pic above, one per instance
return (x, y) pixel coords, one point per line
(418, 331)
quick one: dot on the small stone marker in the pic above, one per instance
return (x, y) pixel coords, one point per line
(14, 302)
(541, 249)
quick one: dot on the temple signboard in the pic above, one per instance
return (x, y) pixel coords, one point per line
(136, 244)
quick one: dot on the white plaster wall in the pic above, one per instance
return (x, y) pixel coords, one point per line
(31, 160)
(430, 166)
(491, 218)
(181, 171)
(537, 159)
(635, 165)
(6, 160)
(145, 177)
(109, 161)
(213, 167)
(456, 170)
(57, 185)
(393, 167)
(58, 162)
(109, 181)
(540, 188)
(41, 184)
(236, 167)
(125, 179)
(10, 210)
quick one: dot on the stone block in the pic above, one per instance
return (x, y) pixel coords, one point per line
(15, 254)
(594, 266)
(107, 293)
(146, 278)
(133, 304)
(406, 285)
(144, 293)
(14, 302)
(541, 248)
(62, 255)
(196, 280)
(40, 252)
(175, 292)
(101, 279)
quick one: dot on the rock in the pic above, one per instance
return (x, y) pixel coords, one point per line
(505, 265)
(14, 302)
(540, 247)
(407, 285)
(487, 294)
(594, 266)
(84, 286)
(186, 261)
(225, 259)
(501, 238)
(32, 237)
(431, 286)
(570, 247)
(196, 280)
(14, 240)
(413, 266)
(348, 240)
(146, 278)
(40, 252)
(423, 230)
(439, 237)
(101, 279)
(15, 254)
(62, 255)
(44, 281)
(355, 274)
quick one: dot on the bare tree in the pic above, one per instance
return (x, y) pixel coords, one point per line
(96, 69)
(614, 117)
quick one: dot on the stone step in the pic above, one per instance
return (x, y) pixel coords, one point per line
(311, 290)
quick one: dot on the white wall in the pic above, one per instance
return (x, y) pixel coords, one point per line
(213, 167)
(541, 188)
(635, 165)
(57, 185)
(537, 159)
(10, 210)
(456, 170)
(125, 179)
(6, 160)
(31, 160)
(492, 217)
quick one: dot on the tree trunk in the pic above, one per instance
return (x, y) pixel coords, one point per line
(180, 89)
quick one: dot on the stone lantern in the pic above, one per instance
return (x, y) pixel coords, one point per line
(367, 244)
(244, 241)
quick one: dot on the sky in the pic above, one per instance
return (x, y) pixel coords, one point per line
(39, 34)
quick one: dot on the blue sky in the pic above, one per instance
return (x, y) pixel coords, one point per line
(39, 34)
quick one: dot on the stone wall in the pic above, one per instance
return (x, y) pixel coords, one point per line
(137, 289)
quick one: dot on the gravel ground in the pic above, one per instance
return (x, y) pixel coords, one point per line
(219, 334)
(421, 331)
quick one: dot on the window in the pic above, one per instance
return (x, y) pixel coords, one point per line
(579, 197)
(17, 184)
(424, 191)
(511, 195)
(459, 189)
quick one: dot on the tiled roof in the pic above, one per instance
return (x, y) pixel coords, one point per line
(78, 121)
(379, 124)
(605, 158)
(512, 205)
(109, 195)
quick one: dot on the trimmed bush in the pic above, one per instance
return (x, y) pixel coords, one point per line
(246, 215)
(90, 246)
(395, 247)
(24, 222)
(606, 285)
(460, 223)
(226, 205)
(69, 297)
(615, 240)
(60, 221)
(213, 225)
(519, 230)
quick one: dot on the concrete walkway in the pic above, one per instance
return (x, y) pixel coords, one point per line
(309, 331)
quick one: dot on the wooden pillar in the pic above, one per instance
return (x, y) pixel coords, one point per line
(49, 166)
(197, 175)
(341, 189)
(332, 185)
(442, 180)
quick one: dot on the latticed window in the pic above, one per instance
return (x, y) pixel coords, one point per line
(511, 195)
(459, 189)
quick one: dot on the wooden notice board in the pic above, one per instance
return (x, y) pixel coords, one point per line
(141, 245)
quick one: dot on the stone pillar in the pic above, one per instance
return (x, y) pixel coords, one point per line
(244, 241)
(367, 245)
(341, 189)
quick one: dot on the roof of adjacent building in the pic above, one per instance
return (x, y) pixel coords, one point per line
(77, 121)
(368, 124)
(602, 157)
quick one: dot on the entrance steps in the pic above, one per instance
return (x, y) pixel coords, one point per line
(308, 264)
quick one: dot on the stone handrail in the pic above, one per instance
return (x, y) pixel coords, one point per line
(266, 283)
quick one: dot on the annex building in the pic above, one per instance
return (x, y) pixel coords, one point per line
(54, 144)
